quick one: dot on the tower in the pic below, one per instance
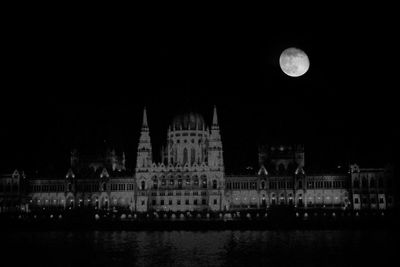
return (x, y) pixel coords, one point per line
(144, 152)
(215, 157)
(144, 164)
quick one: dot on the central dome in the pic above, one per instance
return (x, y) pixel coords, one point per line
(189, 121)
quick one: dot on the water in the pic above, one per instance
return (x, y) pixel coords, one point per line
(200, 248)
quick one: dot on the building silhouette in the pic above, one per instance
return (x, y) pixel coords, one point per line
(191, 177)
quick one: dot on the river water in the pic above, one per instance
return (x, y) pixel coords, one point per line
(200, 248)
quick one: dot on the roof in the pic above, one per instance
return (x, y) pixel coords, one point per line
(188, 121)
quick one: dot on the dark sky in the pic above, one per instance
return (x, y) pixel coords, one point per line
(83, 80)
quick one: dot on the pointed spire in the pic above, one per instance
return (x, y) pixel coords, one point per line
(144, 124)
(215, 119)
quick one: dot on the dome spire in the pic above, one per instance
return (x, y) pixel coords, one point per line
(144, 124)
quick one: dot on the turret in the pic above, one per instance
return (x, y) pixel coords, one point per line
(215, 156)
(144, 151)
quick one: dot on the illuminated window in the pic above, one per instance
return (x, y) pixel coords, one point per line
(204, 182)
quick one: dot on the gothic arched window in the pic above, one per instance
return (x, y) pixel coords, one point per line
(142, 185)
(185, 156)
(192, 156)
(204, 183)
(364, 182)
(263, 185)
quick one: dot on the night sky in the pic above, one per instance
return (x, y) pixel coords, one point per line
(81, 82)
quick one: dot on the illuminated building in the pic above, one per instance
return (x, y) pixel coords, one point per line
(191, 177)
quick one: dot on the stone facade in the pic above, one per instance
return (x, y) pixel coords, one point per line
(191, 177)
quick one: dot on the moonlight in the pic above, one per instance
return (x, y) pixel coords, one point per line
(294, 62)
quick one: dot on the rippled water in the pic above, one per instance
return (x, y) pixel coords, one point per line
(201, 248)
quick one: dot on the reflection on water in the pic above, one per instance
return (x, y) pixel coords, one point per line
(207, 248)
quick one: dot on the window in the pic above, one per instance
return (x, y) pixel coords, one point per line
(214, 184)
(329, 184)
(143, 202)
(356, 201)
(192, 155)
(204, 182)
(372, 183)
(170, 202)
(178, 202)
(155, 184)
(196, 182)
(185, 156)
(228, 186)
(300, 184)
(364, 182)
(171, 182)
(253, 185)
(195, 202)
(263, 185)
(381, 200)
(187, 201)
(289, 185)
(281, 185)
(163, 182)
(153, 202)
(142, 185)
(162, 202)
(187, 182)
(130, 187)
(203, 202)
(215, 202)
(180, 184)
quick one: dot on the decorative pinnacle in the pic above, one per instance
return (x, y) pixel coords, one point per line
(215, 118)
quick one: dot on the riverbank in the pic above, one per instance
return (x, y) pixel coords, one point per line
(105, 220)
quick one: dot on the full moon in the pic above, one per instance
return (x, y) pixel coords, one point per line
(294, 62)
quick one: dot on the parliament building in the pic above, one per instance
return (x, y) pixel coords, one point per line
(191, 177)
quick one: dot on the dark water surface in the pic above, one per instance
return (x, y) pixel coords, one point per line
(201, 248)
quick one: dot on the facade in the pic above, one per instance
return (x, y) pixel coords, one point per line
(191, 177)
(191, 174)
